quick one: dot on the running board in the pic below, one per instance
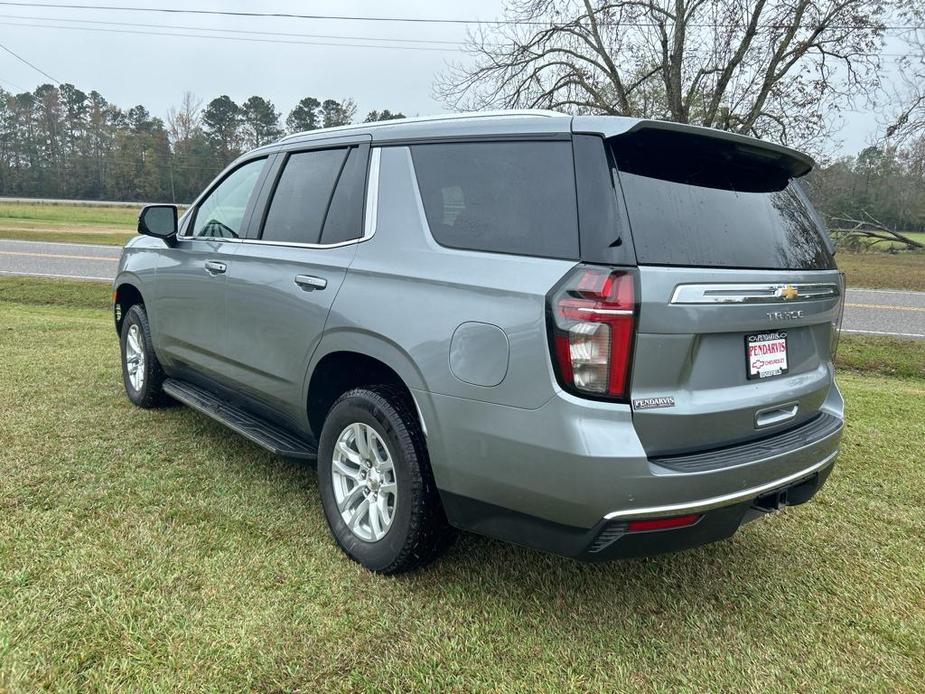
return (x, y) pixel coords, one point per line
(271, 436)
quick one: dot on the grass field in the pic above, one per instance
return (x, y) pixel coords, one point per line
(155, 550)
(884, 270)
(77, 222)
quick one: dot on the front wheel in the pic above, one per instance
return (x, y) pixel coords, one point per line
(141, 371)
(377, 489)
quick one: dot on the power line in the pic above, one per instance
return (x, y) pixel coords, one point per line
(32, 65)
(365, 18)
(232, 31)
(272, 41)
(232, 38)
(279, 15)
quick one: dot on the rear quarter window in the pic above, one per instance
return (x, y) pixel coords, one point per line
(501, 197)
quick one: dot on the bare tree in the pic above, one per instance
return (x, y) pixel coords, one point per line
(184, 120)
(909, 119)
(775, 68)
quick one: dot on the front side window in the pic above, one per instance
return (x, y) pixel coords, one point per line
(503, 197)
(221, 214)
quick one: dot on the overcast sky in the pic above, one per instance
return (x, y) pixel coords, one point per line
(131, 68)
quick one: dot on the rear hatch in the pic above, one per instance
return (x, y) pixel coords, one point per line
(738, 294)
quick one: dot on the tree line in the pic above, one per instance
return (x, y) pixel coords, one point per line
(61, 142)
(882, 185)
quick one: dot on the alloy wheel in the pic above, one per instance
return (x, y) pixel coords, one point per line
(365, 486)
(135, 357)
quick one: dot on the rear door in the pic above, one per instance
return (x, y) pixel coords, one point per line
(738, 293)
(284, 279)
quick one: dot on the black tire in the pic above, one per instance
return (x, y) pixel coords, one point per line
(419, 531)
(150, 393)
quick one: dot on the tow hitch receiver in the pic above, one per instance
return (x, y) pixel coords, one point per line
(793, 495)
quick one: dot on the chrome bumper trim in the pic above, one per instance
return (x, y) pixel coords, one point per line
(722, 500)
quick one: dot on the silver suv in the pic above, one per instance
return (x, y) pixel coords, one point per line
(597, 336)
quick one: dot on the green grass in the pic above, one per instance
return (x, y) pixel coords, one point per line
(71, 213)
(883, 270)
(155, 550)
(877, 354)
(38, 291)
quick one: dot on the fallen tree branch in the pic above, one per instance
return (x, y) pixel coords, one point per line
(876, 231)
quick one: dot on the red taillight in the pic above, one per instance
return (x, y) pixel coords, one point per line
(592, 323)
(638, 526)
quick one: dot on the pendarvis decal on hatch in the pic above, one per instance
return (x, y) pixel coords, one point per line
(652, 403)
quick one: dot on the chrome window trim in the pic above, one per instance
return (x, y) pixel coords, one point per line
(753, 293)
(370, 220)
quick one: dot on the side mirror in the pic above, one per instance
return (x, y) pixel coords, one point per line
(159, 221)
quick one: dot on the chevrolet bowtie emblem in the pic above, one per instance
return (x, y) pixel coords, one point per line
(787, 292)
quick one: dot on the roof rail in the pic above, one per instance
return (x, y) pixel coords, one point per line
(513, 113)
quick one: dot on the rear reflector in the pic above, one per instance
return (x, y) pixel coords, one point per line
(638, 526)
(592, 317)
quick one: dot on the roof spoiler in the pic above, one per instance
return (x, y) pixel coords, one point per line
(795, 163)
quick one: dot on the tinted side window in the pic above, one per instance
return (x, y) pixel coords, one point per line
(221, 214)
(300, 201)
(345, 215)
(505, 197)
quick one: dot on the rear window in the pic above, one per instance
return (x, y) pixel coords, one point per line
(709, 204)
(503, 197)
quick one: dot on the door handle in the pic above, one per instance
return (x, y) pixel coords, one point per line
(776, 415)
(213, 267)
(310, 282)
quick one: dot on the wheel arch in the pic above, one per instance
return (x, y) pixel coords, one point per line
(348, 360)
(125, 295)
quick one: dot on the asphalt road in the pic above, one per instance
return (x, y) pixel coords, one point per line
(72, 260)
(885, 312)
(869, 311)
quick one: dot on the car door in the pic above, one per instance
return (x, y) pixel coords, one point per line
(283, 280)
(191, 275)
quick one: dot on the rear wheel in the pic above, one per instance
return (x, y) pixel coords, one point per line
(377, 489)
(141, 371)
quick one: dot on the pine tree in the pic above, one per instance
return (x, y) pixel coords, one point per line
(221, 121)
(260, 122)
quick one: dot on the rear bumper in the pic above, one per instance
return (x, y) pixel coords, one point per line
(556, 477)
(612, 538)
